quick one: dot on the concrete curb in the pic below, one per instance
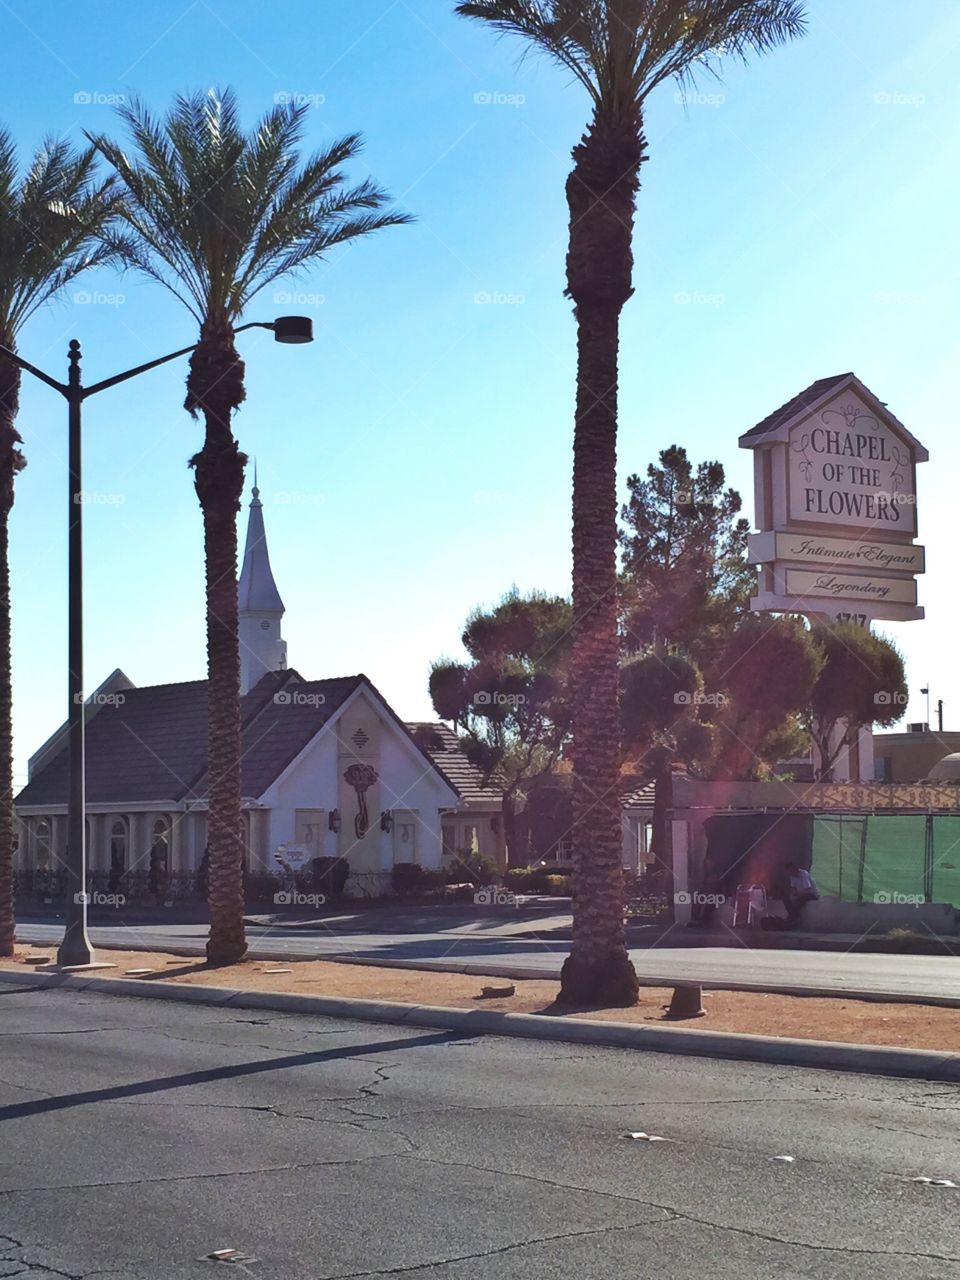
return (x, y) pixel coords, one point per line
(480, 968)
(922, 1064)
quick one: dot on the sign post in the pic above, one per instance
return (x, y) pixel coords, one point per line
(836, 502)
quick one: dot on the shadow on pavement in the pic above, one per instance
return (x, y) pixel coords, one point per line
(40, 1106)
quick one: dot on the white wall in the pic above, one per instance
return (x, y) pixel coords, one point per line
(406, 782)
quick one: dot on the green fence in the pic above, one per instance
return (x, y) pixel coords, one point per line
(887, 858)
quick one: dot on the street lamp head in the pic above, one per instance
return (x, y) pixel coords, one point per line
(293, 329)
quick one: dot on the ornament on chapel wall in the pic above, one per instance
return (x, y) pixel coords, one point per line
(361, 777)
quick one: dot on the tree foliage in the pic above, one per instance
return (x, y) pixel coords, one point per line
(683, 541)
(862, 681)
(510, 701)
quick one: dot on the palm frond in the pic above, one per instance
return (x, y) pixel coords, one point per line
(53, 219)
(215, 213)
(620, 50)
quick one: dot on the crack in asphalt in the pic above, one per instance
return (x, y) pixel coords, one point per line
(680, 1214)
(489, 1253)
(200, 1177)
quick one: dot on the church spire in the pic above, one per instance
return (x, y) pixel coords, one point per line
(262, 648)
(258, 591)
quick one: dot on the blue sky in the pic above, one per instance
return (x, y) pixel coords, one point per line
(416, 459)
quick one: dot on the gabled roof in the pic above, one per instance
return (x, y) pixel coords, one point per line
(152, 745)
(776, 425)
(445, 752)
(642, 798)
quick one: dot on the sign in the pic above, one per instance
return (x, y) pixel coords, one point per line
(882, 557)
(832, 584)
(847, 469)
(835, 479)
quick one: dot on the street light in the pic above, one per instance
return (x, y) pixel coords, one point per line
(75, 948)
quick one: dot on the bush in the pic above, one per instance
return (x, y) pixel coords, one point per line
(467, 865)
(329, 876)
(551, 879)
(410, 879)
(260, 886)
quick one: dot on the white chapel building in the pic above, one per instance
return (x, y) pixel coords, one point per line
(329, 769)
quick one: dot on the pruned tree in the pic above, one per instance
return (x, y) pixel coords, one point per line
(861, 682)
(510, 700)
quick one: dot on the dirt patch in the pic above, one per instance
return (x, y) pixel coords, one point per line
(912, 1026)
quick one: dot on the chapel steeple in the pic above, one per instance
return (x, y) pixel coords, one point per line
(262, 647)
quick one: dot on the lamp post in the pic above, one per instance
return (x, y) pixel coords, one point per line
(75, 948)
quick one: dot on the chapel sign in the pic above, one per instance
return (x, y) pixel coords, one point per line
(835, 485)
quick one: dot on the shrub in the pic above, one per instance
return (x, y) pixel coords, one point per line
(260, 886)
(329, 876)
(559, 886)
(468, 865)
(410, 879)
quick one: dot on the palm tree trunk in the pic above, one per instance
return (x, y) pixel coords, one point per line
(11, 461)
(601, 193)
(215, 387)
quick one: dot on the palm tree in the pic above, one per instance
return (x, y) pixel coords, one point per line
(619, 50)
(51, 220)
(215, 215)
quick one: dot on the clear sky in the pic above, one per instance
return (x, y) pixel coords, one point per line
(415, 461)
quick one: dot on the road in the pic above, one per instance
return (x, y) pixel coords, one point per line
(930, 977)
(136, 1138)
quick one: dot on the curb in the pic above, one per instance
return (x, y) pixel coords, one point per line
(922, 1064)
(480, 968)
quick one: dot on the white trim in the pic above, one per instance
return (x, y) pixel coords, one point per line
(387, 718)
(781, 433)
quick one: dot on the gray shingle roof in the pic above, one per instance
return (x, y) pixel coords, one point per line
(153, 745)
(451, 761)
(799, 402)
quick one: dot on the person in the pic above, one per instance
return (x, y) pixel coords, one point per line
(708, 896)
(799, 888)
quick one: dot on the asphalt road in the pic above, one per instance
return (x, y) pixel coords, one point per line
(919, 976)
(137, 1137)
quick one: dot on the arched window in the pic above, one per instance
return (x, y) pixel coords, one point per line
(119, 836)
(160, 844)
(44, 845)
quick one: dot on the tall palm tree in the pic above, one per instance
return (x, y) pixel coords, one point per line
(215, 215)
(51, 220)
(619, 50)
